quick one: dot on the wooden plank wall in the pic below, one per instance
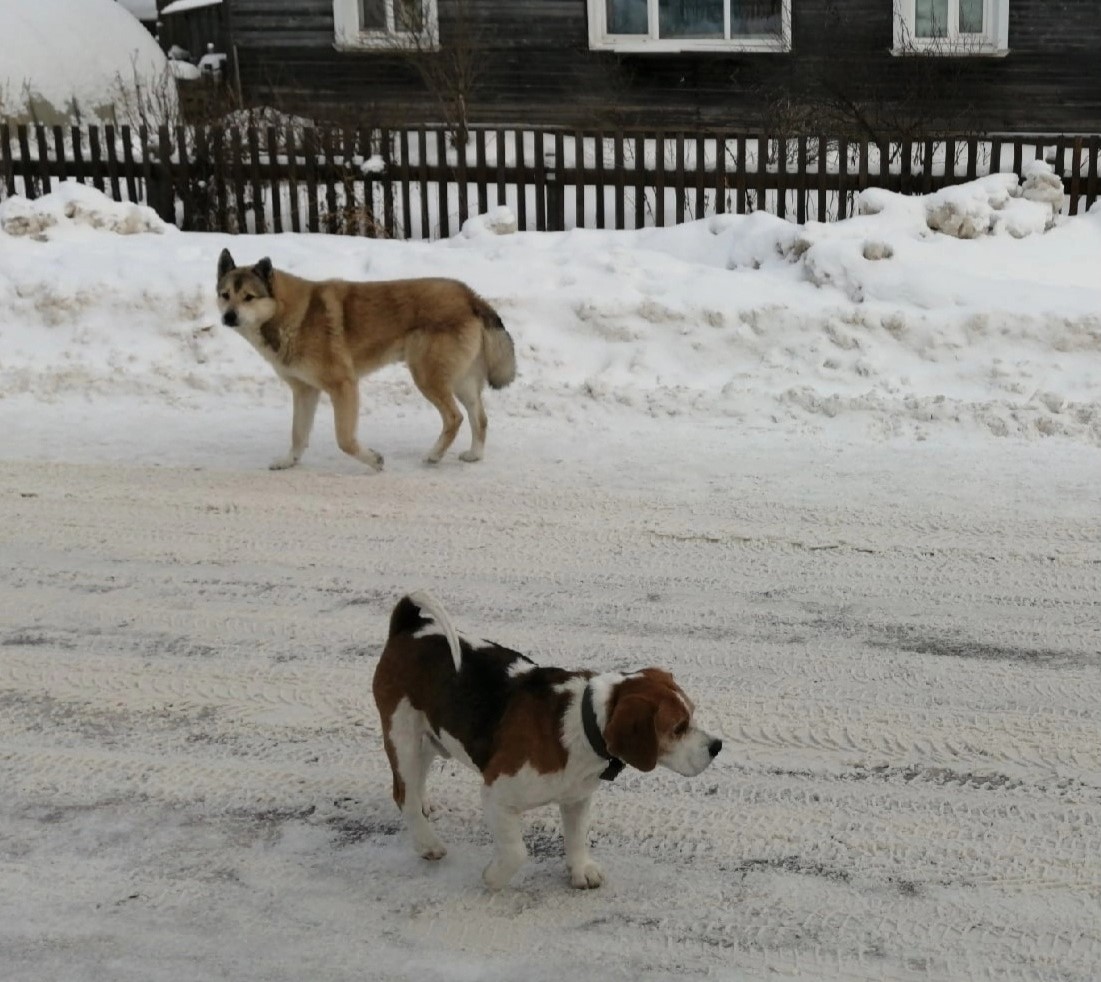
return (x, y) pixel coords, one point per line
(537, 68)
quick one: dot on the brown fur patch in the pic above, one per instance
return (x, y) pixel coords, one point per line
(645, 711)
(530, 734)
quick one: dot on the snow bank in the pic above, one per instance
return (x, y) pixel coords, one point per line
(877, 323)
(76, 204)
(88, 62)
(994, 205)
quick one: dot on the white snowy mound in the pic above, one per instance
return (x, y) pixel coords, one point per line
(79, 63)
(76, 204)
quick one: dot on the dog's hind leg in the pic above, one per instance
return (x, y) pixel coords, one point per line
(469, 391)
(438, 392)
(345, 397)
(411, 755)
(305, 405)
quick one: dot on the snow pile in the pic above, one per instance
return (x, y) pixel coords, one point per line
(994, 205)
(496, 221)
(876, 323)
(76, 204)
(88, 62)
(1042, 184)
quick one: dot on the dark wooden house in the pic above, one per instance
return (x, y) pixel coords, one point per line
(869, 67)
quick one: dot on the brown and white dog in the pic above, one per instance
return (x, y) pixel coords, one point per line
(536, 735)
(323, 336)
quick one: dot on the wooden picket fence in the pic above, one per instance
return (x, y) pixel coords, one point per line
(414, 183)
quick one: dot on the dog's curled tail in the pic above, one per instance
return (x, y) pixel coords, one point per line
(414, 611)
(500, 353)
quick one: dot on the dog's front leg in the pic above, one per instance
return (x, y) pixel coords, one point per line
(584, 873)
(507, 827)
(305, 405)
(345, 397)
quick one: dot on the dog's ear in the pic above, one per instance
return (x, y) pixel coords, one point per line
(263, 270)
(632, 732)
(225, 263)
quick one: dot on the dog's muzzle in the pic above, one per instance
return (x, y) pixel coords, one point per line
(229, 318)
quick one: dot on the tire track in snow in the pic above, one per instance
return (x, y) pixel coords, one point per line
(909, 697)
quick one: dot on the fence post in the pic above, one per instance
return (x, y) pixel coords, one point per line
(29, 191)
(553, 188)
(1091, 180)
(167, 202)
(6, 160)
(1075, 175)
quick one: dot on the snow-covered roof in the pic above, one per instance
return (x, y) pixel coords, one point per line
(142, 9)
(180, 6)
(65, 62)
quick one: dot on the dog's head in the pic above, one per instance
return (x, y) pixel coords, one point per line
(650, 723)
(245, 293)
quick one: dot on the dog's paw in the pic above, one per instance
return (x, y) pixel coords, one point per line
(433, 458)
(587, 876)
(282, 463)
(470, 456)
(429, 847)
(496, 875)
(372, 458)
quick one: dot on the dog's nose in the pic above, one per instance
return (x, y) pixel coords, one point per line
(229, 318)
(714, 747)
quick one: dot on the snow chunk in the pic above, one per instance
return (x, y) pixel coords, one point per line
(992, 205)
(496, 221)
(1043, 185)
(76, 204)
(184, 70)
(182, 6)
(18, 216)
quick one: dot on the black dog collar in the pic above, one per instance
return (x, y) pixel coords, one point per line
(596, 738)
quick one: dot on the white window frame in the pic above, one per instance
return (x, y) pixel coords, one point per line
(993, 42)
(601, 40)
(350, 35)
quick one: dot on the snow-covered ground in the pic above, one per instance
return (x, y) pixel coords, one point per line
(844, 481)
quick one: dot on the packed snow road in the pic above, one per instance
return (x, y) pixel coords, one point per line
(897, 643)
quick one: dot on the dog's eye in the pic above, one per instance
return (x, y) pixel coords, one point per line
(681, 729)
(248, 297)
(224, 295)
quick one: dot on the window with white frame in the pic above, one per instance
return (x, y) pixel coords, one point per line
(690, 25)
(385, 24)
(951, 27)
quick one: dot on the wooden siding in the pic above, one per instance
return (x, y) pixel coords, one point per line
(536, 67)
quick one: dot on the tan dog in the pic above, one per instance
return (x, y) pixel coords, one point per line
(535, 735)
(325, 336)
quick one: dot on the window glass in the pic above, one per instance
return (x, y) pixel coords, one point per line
(627, 17)
(971, 16)
(748, 17)
(932, 18)
(409, 15)
(372, 15)
(690, 18)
